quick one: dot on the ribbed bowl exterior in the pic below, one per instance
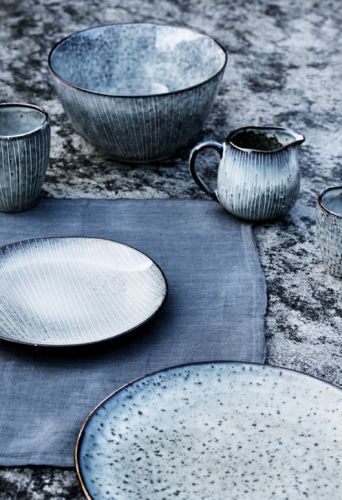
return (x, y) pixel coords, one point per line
(138, 129)
(258, 186)
(329, 232)
(23, 164)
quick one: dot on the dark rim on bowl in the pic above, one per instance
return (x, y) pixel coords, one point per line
(24, 105)
(321, 203)
(125, 96)
(183, 365)
(106, 339)
(299, 140)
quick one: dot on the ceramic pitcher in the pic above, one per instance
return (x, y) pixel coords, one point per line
(258, 175)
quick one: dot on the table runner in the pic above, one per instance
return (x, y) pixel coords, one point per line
(215, 310)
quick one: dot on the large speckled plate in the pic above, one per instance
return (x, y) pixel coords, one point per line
(72, 291)
(215, 431)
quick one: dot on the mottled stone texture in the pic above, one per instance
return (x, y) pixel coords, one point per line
(284, 68)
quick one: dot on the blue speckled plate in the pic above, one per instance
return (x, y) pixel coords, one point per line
(199, 431)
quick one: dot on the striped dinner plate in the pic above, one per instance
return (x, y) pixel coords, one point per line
(73, 291)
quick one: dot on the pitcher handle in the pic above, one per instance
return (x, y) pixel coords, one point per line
(192, 163)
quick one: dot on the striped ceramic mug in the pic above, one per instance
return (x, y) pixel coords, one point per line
(258, 176)
(24, 154)
(329, 228)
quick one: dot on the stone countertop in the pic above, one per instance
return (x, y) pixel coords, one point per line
(284, 68)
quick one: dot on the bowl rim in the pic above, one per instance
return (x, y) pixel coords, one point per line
(14, 104)
(130, 96)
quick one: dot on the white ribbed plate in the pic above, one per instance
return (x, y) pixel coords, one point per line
(72, 291)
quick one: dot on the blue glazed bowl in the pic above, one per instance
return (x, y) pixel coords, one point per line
(137, 91)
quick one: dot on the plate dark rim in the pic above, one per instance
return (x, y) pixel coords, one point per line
(80, 344)
(182, 365)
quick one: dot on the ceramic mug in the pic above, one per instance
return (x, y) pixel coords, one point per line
(24, 154)
(258, 175)
(329, 228)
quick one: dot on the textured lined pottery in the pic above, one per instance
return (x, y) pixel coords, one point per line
(199, 431)
(24, 155)
(258, 176)
(137, 91)
(72, 291)
(329, 228)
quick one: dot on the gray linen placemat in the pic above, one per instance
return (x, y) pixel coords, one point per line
(215, 310)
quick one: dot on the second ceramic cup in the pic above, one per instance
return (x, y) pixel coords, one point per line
(329, 228)
(24, 155)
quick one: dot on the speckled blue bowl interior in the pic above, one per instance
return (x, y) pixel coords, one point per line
(137, 59)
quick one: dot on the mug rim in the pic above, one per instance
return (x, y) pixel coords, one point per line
(24, 105)
(321, 204)
(228, 139)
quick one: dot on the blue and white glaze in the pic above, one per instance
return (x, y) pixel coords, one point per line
(24, 155)
(213, 431)
(73, 291)
(256, 180)
(329, 228)
(137, 91)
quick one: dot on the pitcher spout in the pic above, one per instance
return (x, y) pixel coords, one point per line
(297, 139)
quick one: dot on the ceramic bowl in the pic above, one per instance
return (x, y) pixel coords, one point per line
(138, 91)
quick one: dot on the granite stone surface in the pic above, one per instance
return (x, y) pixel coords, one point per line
(285, 69)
